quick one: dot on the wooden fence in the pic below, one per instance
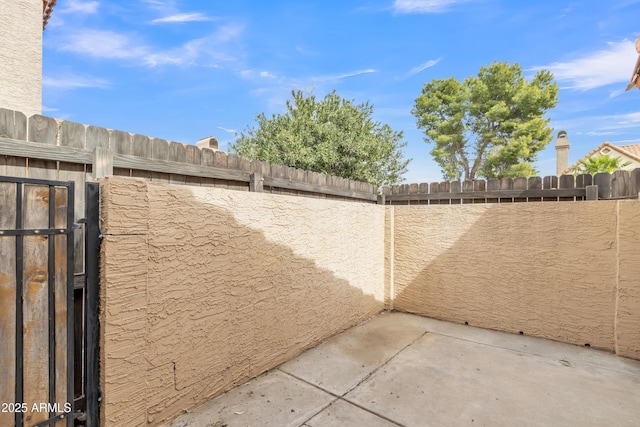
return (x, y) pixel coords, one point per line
(44, 148)
(618, 185)
(36, 323)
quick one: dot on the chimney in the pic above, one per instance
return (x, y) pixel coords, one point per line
(562, 152)
(208, 142)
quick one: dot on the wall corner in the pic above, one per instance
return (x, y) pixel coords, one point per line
(389, 255)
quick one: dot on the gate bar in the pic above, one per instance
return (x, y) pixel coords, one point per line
(19, 396)
(51, 284)
(92, 328)
(70, 306)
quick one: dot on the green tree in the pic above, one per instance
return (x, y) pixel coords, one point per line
(334, 136)
(489, 125)
(598, 164)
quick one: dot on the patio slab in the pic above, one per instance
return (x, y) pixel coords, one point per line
(399, 369)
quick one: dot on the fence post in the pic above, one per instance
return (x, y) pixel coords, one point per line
(102, 162)
(592, 192)
(256, 182)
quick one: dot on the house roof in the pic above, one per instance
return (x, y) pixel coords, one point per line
(47, 8)
(632, 151)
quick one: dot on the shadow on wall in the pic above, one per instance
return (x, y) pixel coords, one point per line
(543, 269)
(195, 301)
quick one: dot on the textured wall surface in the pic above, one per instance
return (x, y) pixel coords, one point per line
(628, 304)
(21, 55)
(546, 269)
(205, 288)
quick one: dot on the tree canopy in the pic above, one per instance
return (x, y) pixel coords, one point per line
(489, 125)
(334, 136)
(598, 164)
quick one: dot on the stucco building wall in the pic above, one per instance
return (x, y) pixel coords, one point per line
(564, 271)
(21, 56)
(205, 288)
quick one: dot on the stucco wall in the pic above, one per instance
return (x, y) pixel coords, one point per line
(205, 288)
(564, 271)
(21, 56)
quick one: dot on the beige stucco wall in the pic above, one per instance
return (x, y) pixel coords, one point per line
(205, 288)
(628, 291)
(564, 271)
(21, 56)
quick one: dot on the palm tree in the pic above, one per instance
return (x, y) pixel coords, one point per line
(598, 164)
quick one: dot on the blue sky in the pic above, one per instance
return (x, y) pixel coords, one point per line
(183, 70)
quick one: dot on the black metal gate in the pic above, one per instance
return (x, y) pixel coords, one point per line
(48, 319)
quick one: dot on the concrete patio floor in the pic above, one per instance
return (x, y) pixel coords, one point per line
(398, 369)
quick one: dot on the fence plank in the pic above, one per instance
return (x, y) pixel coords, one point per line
(140, 147)
(13, 124)
(493, 184)
(584, 180)
(120, 142)
(7, 300)
(160, 151)
(467, 187)
(97, 137)
(603, 181)
(520, 184)
(534, 183)
(620, 184)
(549, 182)
(178, 154)
(194, 155)
(277, 171)
(233, 163)
(60, 303)
(634, 182)
(35, 297)
(43, 130)
(566, 182)
(72, 135)
(313, 179)
(220, 161)
(456, 187)
(76, 173)
(479, 185)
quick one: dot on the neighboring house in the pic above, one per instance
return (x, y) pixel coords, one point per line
(627, 153)
(21, 29)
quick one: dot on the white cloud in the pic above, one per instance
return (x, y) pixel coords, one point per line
(77, 6)
(299, 81)
(424, 6)
(227, 130)
(601, 125)
(331, 77)
(111, 45)
(420, 68)
(102, 44)
(600, 68)
(71, 81)
(181, 18)
(277, 88)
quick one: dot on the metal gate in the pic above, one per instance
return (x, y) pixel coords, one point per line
(48, 360)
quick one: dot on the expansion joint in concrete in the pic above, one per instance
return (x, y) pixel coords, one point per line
(343, 395)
